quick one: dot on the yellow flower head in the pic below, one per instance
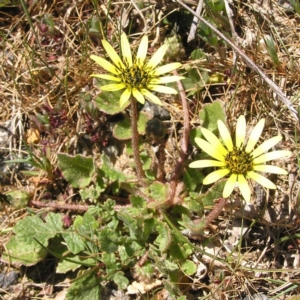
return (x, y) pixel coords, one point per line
(240, 161)
(135, 74)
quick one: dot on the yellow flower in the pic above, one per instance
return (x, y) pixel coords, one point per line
(240, 161)
(135, 74)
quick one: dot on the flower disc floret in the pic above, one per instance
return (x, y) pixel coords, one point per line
(134, 74)
(240, 161)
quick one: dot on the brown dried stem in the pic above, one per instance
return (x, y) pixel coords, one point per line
(184, 143)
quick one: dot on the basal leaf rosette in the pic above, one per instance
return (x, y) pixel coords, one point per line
(240, 161)
(134, 74)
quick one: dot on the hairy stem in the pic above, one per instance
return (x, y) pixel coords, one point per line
(135, 141)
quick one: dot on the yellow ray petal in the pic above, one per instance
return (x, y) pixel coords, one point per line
(215, 176)
(143, 48)
(112, 87)
(151, 97)
(211, 150)
(240, 132)
(126, 52)
(162, 89)
(112, 54)
(138, 96)
(106, 77)
(166, 68)
(206, 163)
(225, 135)
(271, 156)
(213, 140)
(166, 79)
(270, 169)
(261, 180)
(244, 187)
(104, 64)
(125, 97)
(157, 57)
(265, 146)
(255, 135)
(229, 186)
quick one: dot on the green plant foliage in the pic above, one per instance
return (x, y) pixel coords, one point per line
(192, 227)
(195, 81)
(189, 267)
(73, 263)
(22, 247)
(175, 47)
(120, 280)
(192, 178)
(94, 26)
(122, 131)
(207, 35)
(85, 288)
(77, 170)
(18, 199)
(197, 54)
(211, 113)
(74, 242)
(209, 116)
(271, 48)
(164, 238)
(107, 170)
(217, 5)
(215, 192)
(108, 102)
(104, 243)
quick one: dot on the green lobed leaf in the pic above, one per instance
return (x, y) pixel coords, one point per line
(131, 223)
(65, 266)
(137, 201)
(122, 130)
(189, 267)
(54, 221)
(198, 54)
(108, 239)
(109, 172)
(22, 248)
(74, 242)
(158, 191)
(179, 250)
(193, 82)
(192, 178)
(23, 252)
(120, 280)
(85, 288)
(211, 113)
(164, 238)
(77, 170)
(109, 102)
(215, 192)
(111, 265)
(33, 227)
(193, 227)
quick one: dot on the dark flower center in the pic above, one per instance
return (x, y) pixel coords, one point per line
(137, 76)
(238, 161)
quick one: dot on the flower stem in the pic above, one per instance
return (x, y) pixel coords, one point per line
(135, 141)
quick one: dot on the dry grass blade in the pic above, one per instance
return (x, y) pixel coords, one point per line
(248, 61)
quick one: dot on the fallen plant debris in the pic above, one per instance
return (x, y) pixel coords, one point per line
(107, 195)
